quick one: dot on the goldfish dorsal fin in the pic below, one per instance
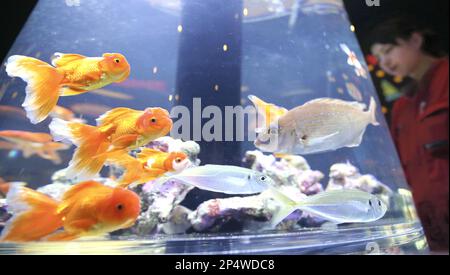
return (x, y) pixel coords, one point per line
(147, 153)
(115, 114)
(61, 59)
(69, 195)
(79, 187)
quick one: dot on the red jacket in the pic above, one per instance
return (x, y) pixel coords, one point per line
(419, 128)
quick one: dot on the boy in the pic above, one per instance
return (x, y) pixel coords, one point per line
(420, 121)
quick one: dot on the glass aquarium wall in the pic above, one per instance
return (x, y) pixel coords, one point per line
(279, 88)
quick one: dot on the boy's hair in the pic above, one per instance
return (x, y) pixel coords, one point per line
(403, 26)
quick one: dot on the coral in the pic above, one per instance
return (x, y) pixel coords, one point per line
(158, 202)
(178, 221)
(217, 211)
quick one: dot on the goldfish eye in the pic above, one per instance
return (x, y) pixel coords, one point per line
(117, 60)
(379, 203)
(119, 207)
(263, 178)
(153, 120)
(178, 160)
(370, 203)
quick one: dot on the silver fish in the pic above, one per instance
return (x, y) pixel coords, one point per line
(223, 179)
(337, 206)
(320, 125)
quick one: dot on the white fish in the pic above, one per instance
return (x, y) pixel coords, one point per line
(223, 179)
(337, 206)
(320, 125)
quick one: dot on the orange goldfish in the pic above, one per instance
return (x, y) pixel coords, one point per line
(71, 74)
(33, 143)
(148, 165)
(86, 209)
(116, 130)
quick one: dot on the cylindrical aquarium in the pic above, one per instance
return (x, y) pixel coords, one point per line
(196, 127)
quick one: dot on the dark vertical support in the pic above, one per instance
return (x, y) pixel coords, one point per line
(202, 64)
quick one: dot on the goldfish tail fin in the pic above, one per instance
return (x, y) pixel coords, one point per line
(61, 131)
(91, 154)
(373, 112)
(43, 85)
(133, 170)
(34, 215)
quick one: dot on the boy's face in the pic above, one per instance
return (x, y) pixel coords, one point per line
(398, 60)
